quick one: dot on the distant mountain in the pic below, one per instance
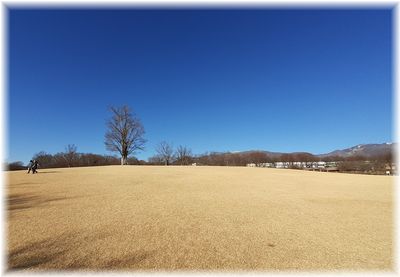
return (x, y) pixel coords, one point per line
(269, 153)
(366, 150)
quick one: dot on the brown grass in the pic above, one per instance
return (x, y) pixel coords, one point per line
(198, 218)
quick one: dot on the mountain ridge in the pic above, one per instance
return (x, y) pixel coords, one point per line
(367, 150)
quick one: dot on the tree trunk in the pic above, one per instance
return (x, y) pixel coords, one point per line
(123, 160)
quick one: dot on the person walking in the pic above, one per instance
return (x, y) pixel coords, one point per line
(35, 166)
(30, 164)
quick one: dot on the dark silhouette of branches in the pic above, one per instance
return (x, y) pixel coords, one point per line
(166, 152)
(183, 155)
(70, 155)
(125, 133)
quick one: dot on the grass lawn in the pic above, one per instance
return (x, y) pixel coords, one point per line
(198, 218)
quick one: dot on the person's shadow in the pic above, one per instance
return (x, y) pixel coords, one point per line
(45, 172)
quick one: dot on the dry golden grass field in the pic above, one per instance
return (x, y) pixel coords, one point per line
(198, 218)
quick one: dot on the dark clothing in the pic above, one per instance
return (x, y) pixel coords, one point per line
(30, 164)
(34, 167)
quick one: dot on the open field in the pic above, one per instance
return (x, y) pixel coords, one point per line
(198, 218)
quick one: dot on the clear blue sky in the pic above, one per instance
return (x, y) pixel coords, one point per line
(214, 80)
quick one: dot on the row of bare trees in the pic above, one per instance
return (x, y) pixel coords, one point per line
(256, 157)
(183, 155)
(167, 155)
(72, 158)
(377, 164)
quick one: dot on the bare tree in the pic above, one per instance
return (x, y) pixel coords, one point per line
(183, 155)
(44, 159)
(70, 154)
(258, 157)
(165, 151)
(155, 160)
(15, 166)
(125, 133)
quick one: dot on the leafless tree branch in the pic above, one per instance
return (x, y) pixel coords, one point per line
(125, 133)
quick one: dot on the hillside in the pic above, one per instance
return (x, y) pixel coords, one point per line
(366, 150)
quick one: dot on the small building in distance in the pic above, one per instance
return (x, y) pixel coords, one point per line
(265, 165)
(328, 166)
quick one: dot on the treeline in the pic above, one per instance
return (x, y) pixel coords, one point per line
(167, 155)
(47, 160)
(71, 158)
(182, 155)
(14, 166)
(372, 165)
(258, 157)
